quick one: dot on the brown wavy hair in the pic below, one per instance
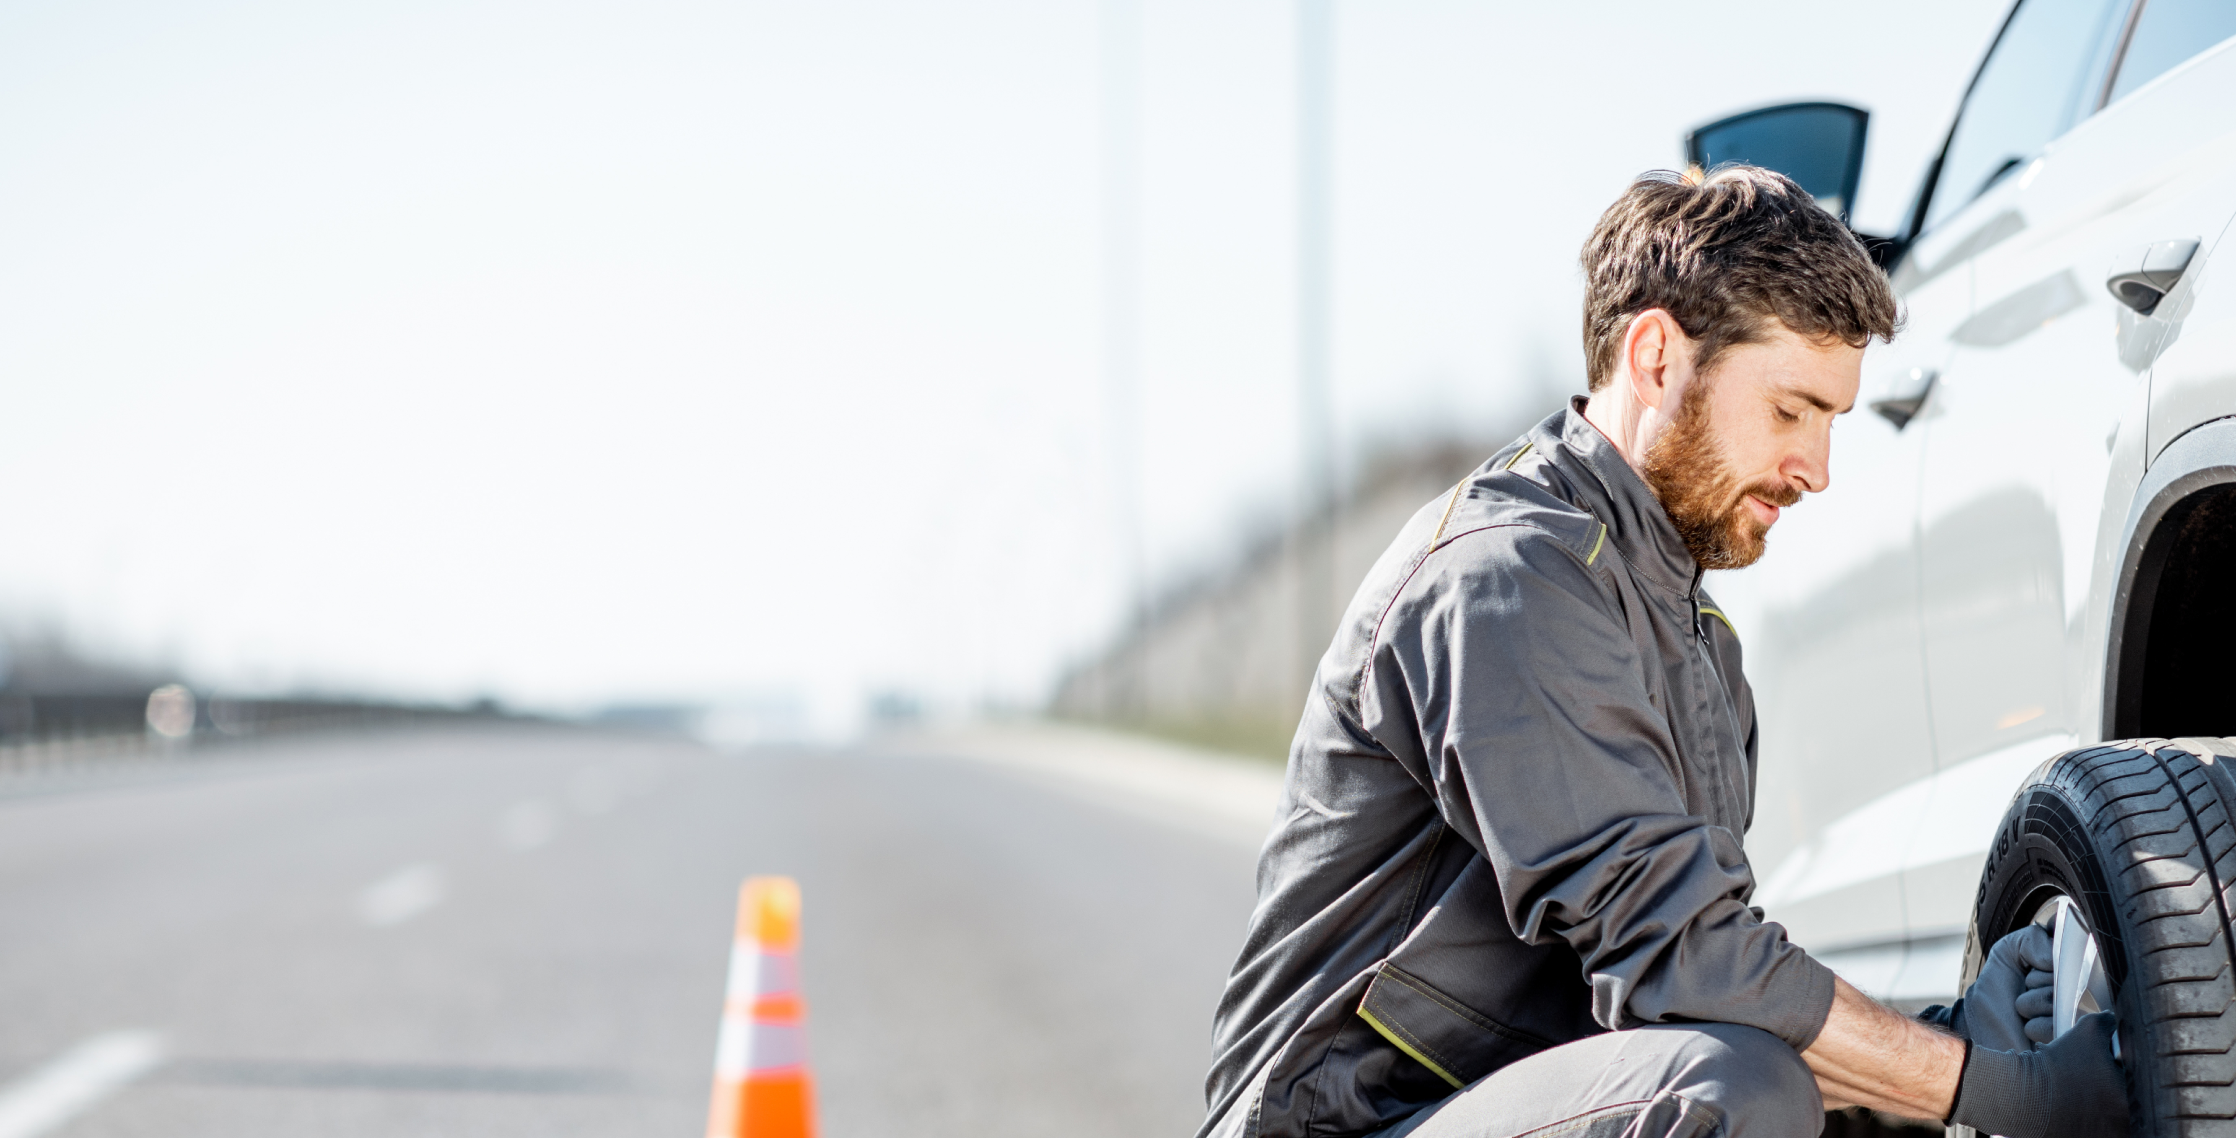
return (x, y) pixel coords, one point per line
(1725, 254)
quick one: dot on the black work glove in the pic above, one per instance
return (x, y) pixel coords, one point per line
(2071, 1088)
(2034, 1006)
(2008, 1006)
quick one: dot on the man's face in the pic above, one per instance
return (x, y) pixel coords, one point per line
(1748, 439)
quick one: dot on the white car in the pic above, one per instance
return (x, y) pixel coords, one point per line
(2028, 547)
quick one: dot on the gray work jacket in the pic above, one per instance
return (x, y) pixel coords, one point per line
(1513, 811)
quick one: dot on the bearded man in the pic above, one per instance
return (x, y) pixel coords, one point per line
(1507, 893)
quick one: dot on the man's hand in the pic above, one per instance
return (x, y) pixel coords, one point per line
(2071, 1088)
(1872, 1056)
(2008, 1006)
(2034, 1007)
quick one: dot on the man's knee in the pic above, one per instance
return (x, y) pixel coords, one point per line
(1665, 1081)
(1730, 1048)
(1750, 1076)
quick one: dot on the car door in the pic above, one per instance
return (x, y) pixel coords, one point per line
(1834, 651)
(1830, 618)
(2019, 431)
(1849, 747)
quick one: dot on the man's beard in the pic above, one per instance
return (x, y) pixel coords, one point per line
(1703, 498)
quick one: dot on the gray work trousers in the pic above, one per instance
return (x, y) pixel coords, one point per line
(1707, 1080)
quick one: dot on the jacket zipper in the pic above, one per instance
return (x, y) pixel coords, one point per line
(1708, 656)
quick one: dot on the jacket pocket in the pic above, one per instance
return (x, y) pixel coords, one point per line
(1455, 1042)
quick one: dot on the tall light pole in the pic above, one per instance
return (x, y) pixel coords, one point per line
(1315, 534)
(1121, 337)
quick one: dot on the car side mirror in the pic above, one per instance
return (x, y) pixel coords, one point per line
(1819, 145)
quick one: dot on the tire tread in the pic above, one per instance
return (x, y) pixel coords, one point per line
(2163, 843)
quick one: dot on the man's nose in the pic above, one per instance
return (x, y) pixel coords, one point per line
(1812, 467)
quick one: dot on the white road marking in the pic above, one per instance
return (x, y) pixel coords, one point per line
(528, 824)
(401, 895)
(75, 1081)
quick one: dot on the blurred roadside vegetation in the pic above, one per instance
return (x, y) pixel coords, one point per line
(1220, 658)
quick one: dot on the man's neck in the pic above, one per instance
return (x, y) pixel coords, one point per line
(1616, 413)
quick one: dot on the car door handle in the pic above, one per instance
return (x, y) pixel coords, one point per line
(2141, 277)
(1906, 397)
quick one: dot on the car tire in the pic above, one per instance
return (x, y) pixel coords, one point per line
(2141, 835)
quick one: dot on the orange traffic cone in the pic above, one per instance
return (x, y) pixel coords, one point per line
(761, 1084)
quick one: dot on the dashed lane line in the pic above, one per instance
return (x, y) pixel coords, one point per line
(528, 824)
(76, 1081)
(400, 896)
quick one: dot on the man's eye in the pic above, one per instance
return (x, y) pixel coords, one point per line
(1785, 416)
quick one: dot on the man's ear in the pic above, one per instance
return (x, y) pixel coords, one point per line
(1651, 346)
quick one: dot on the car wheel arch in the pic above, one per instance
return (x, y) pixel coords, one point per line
(2196, 470)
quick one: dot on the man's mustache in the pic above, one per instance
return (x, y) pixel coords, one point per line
(1779, 494)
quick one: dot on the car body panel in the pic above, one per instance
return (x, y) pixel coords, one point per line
(1932, 628)
(1840, 617)
(2193, 375)
(2020, 439)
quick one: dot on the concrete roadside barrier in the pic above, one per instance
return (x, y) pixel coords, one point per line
(1224, 797)
(762, 1088)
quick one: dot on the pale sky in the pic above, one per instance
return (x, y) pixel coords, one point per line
(678, 349)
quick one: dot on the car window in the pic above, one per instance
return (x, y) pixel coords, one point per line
(2044, 75)
(2169, 32)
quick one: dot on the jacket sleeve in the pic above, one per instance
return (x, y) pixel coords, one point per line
(1511, 687)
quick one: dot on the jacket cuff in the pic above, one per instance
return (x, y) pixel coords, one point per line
(1801, 1000)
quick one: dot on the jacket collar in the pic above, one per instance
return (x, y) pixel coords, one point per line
(1612, 490)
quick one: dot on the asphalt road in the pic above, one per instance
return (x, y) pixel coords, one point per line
(523, 931)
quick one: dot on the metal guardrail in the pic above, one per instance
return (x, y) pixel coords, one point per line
(42, 731)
